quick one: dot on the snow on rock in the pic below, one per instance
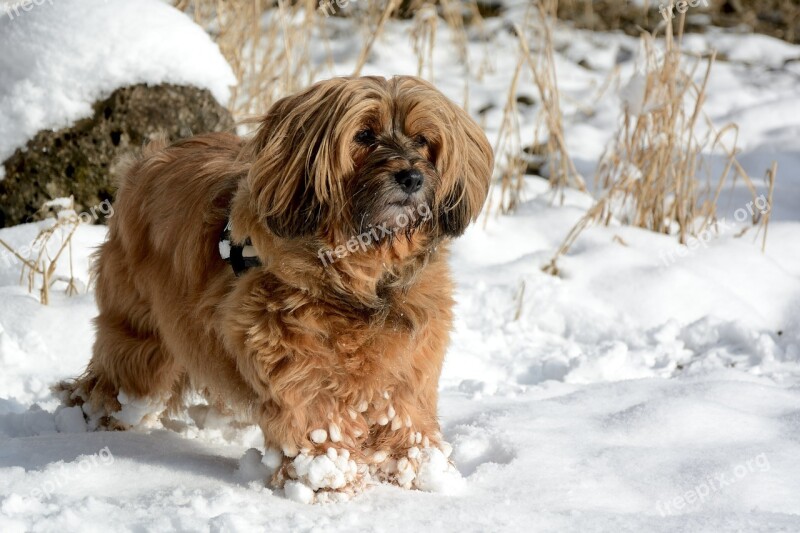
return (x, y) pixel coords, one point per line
(60, 57)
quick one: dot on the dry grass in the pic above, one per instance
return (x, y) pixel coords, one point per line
(649, 176)
(391, 6)
(510, 165)
(423, 38)
(266, 42)
(562, 172)
(512, 162)
(40, 269)
(270, 44)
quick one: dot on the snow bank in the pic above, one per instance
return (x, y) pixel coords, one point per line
(61, 56)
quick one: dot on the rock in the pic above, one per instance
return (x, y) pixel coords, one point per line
(79, 160)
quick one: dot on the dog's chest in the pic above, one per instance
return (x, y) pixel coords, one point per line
(388, 334)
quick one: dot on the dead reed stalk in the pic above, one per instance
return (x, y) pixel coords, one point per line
(270, 43)
(510, 167)
(562, 171)
(43, 264)
(267, 44)
(423, 38)
(648, 176)
(391, 5)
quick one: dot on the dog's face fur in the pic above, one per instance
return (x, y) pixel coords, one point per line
(344, 356)
(326, 161)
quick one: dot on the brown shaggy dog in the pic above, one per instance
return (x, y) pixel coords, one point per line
(324, 344)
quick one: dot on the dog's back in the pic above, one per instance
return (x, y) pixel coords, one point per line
(160, 268)
(166, 187)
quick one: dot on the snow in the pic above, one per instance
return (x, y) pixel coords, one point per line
(299, 492)
(649, 387)
(61, 56)
(137, 411)
(319, 436)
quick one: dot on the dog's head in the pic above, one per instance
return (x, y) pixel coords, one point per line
(350, 154)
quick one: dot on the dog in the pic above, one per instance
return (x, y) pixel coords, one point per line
(221, 275)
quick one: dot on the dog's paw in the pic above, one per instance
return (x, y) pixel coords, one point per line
(427, 468)
(111, 413)
(329, 477)
(96, 409)
(139, 412)
(336, 475)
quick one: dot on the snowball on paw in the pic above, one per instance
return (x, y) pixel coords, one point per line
(298, 492)
(436, 474)
(138, 411)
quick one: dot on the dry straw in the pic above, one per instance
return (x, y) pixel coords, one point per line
(267, 43)
(511, 162)
(271, 44)
(391, 5)
(543, 67)
(649, 176)
(40, 269)
(423, 38)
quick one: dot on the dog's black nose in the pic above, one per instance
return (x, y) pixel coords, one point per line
(410, 180)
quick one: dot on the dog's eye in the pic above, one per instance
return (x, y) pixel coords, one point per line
(365, 137)
(421, 140)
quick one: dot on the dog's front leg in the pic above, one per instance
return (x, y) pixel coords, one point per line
(404, 424)
(405, 436)
(316, 425)
(340, 427)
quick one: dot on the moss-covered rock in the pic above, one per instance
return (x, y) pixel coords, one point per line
(79, 161)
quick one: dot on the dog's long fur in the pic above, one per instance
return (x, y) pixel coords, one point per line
(295, 344)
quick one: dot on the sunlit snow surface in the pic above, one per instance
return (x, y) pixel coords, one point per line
(631, 393)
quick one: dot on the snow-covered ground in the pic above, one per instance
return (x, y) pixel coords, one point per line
(650, 387)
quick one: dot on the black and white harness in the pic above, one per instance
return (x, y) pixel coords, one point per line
(241, 257)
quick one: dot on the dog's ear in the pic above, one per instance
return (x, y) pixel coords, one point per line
(293, 160)
(466, 174)
(463, 156)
